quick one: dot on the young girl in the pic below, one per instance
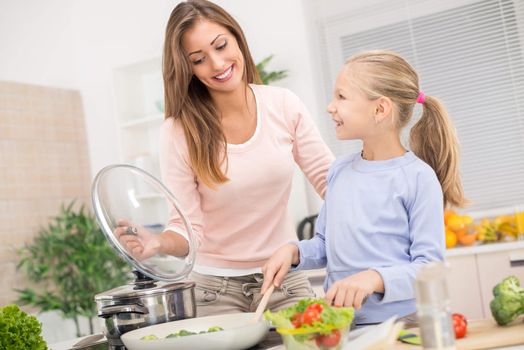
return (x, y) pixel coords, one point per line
(382, 219)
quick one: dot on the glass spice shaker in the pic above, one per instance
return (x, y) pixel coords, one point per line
(433, 307)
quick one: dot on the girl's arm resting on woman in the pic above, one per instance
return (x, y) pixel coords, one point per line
(309, 150)
(426, 223)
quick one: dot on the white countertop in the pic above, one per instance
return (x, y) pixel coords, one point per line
(485, 248)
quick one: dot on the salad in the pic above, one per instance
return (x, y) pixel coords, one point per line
(312, 324)
(182, 333)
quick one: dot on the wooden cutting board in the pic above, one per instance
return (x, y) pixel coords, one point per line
(482, 334)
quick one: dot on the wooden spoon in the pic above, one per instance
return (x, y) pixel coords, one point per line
(262, 305)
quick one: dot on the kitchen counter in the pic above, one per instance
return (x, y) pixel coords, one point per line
(485, 330)
(485, 248)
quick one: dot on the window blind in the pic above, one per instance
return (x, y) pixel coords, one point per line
(467, 53)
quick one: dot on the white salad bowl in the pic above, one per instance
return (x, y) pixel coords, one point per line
(238, 333)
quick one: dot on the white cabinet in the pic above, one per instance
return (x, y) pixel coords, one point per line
(493, 268)
(464, 286)
(476, 270)
(139, 97)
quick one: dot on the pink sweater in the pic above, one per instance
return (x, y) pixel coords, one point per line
(242, 222)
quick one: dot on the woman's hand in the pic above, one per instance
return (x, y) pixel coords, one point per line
(278, 265)
(138, 241)
(353, 290)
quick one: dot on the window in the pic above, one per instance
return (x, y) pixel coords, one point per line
(467, 53)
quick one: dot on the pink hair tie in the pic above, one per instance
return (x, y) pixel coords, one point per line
(421, 97)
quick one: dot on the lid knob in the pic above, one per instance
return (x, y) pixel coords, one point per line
(142, 281)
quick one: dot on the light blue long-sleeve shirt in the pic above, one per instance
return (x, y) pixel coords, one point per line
(381, 215)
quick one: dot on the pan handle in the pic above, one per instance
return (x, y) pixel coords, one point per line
(110, 310)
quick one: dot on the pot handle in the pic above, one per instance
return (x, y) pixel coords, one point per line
(110, 310)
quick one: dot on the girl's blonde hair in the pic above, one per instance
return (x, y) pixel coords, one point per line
(187, 99)
(432, 138)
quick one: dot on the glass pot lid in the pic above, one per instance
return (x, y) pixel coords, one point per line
(140, 206)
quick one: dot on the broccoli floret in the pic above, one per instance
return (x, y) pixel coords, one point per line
(509, 300)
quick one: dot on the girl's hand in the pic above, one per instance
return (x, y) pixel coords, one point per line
(353, 290)
(278, 265)
(138, 241)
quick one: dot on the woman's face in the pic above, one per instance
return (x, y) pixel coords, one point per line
(350, 109)
(215, 57)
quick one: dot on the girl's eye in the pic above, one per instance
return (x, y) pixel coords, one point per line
(341, 97)
(222, 46)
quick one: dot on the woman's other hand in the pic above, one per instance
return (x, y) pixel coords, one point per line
(278, 265)
(137, 240)
(352, 291)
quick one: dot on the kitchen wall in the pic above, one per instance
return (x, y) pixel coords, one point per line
(78, 44)
(43, 163)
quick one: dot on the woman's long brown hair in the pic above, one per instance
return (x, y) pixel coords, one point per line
(188, 100)
(432, 138)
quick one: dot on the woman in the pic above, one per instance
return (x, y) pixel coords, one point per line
(228, 150)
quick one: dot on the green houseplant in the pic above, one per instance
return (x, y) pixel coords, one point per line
(70, 260)
(269, 76)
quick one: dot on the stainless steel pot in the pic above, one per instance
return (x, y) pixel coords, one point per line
(125, 309)
(117, 196)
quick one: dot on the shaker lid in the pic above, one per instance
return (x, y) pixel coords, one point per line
(125, 196)
(431, 286)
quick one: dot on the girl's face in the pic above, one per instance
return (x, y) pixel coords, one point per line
(215, 56)
(352, 112)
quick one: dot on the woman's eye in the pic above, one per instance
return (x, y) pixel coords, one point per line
(341, 97)
(222, 46)
(198, 61)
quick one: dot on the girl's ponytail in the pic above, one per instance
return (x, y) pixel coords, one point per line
(433, 139)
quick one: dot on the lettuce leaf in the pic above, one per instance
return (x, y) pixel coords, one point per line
(19, 331)
(332, 318)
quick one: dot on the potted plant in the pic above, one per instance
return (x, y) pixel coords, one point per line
(70, 260)
(268, 77)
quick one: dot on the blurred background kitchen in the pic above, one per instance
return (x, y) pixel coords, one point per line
(81, 88)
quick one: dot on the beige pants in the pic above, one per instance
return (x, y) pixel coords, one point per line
(224, 295)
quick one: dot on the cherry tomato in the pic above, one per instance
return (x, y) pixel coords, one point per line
(460, 325)
(330, 340)
(296, 320)
(318, 307)
(310, 315)
(460, 316)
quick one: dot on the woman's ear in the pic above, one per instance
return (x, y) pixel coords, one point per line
(383, 109)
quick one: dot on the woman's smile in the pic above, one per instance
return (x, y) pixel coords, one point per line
(225, 75)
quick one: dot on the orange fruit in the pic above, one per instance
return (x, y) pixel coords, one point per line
(468, 239)
(451, 239)
(455, 222)
(447, 214)
(461, 232)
